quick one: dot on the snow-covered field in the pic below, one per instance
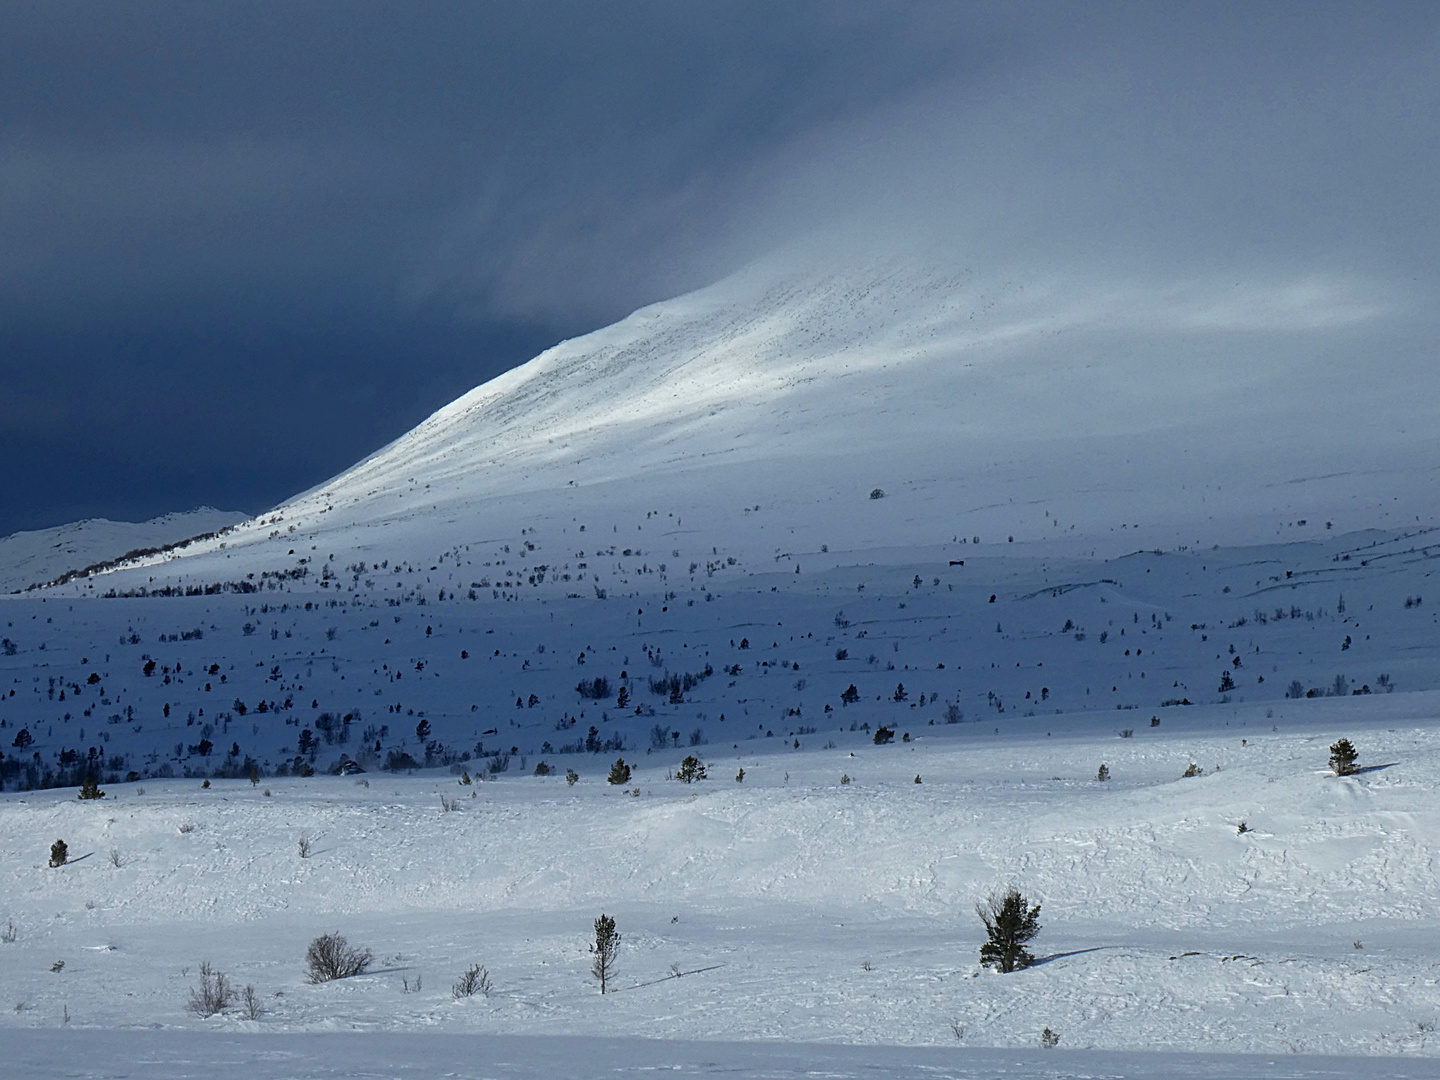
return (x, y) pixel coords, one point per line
(790, 906)
(682, 536)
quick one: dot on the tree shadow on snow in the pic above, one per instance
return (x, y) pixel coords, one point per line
(1062, 955)
(1371, 768)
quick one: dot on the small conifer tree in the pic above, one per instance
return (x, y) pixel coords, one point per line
(619, 772)
(1009, 923)
(59, 853)
(90, 789)
(691, 769)
(604, 950)
(1103, 773)
(1342, 757)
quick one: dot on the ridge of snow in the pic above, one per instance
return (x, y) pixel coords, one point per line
(41, 555)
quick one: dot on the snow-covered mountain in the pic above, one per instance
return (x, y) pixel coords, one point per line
(765, 409)
(904, 560)
(42, 555)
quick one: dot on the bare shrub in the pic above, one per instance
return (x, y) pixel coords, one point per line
(250, 1002)
(474, 980)
(448, 805)
(330, 956)
(9, 934)
(305, 847)
(117, 859)
(213, 995)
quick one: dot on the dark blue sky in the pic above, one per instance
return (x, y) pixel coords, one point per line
(243, 245)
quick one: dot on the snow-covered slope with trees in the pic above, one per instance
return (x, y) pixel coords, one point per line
(1024, 528)
(1113, 414)
(42, 555)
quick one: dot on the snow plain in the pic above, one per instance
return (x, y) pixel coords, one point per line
(1039, 585)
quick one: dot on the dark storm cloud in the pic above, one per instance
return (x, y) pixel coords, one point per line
(190, 149)
(241, 245)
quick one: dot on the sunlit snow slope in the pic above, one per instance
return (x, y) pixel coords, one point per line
(33, 558)
(1110, 413)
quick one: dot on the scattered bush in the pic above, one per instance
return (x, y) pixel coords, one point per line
(542, 768)
(1342, 757)
(330, 957)
(675, 687)
(1009, 923)
(571, 776)
(596, 689)
(1192, 770)
(474, 980)
(59, 853)
(213, 995)
(250, 1001)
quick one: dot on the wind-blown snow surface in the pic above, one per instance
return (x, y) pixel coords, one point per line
(660, 540)
(33, 558)
(789, 906)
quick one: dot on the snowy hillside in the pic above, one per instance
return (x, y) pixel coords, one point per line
(762, 412)
(40, 556)
(843, 532)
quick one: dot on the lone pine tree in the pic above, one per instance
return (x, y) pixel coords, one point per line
(1009, 924)
(604, 950)
(1342, 757)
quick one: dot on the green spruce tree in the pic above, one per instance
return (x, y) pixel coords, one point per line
(1009, 923)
